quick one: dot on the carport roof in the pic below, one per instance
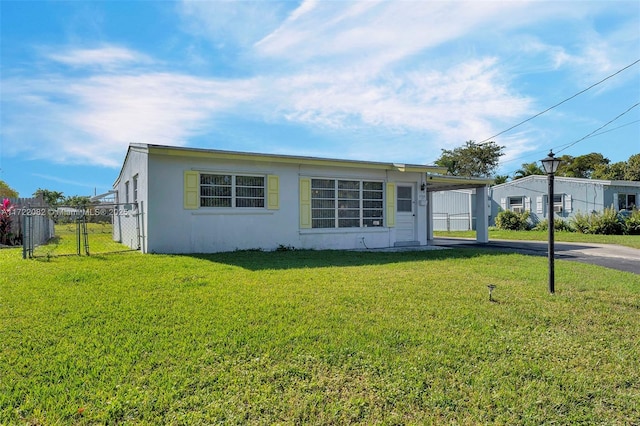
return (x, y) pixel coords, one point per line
(437, 182)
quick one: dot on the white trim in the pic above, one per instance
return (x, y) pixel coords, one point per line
(232, 211)
(340, 231)
(539, 204)
(524, 180)
(567, 205)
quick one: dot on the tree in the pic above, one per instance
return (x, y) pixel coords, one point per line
(632, 170)
(52, 198)
(613, 171)
(498, 179)
(77, 201)
(528, 169)
(582, 166)
(6, 191)
(472, 159)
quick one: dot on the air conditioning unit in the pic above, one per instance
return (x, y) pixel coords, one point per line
(557, 209)
(516, 209)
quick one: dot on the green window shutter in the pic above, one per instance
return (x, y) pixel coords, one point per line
(305, 203)
(273, 192)
(391, 205)
(191, 190)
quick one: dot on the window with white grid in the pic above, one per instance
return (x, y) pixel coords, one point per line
(223, 190)
(341, 203)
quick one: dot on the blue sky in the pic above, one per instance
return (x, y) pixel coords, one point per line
(382, 81)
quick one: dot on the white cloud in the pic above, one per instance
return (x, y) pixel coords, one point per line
(362, 71)
(101, 56)
(232, 23)
(92, 120)
(376, 34)
(453, 105)
(82, 184)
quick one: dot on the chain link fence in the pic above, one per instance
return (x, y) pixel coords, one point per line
(452, 222)
(82, 230)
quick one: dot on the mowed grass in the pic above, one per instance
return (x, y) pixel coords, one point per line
(99, 237)
(327, 337)
(568, 237)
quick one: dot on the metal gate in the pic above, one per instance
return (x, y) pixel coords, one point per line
(84, 230)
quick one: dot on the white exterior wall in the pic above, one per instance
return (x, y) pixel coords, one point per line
(173, 229)
(482, 214)
(126, 228)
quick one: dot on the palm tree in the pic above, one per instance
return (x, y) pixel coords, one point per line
(498, 179)
(528, 169)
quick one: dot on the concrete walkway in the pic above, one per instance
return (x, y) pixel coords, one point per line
(607, 255)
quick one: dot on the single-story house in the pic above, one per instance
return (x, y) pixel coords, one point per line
(190, 200)
(571, 195)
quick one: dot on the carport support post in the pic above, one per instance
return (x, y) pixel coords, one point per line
(482, 214)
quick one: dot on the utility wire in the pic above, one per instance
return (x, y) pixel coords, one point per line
(615, 128)
(586, 137)
(598, 129)
(560, 103)
(590, 135)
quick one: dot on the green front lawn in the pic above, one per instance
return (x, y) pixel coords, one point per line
(99, 238)
(569, 237)
(323, 337)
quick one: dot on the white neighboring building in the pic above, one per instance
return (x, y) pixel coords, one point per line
(203, 201)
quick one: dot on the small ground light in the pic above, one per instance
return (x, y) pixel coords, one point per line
(491, 288)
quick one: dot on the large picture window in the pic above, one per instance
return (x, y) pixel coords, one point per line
(218, 190)
(346, 203)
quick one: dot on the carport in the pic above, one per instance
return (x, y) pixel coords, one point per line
(437, 183)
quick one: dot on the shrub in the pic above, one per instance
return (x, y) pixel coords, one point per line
(513, 221)
(558, 225)
(606, 223)
(582, 223)
(6, 215)
(633, 223)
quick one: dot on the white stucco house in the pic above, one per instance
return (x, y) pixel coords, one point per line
(190, 200)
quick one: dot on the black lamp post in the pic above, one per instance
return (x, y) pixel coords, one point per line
(550, 165)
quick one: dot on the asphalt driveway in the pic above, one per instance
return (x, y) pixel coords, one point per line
(607, 255)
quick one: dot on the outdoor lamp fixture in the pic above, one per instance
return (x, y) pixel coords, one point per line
(491, 288)
(423, 186)
(550, 166)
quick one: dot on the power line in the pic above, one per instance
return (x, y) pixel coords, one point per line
(589, 135)
(599, 128)
(560, 103)
(615, 128)
(554, 148)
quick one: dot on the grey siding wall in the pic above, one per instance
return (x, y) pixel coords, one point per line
(612, 193)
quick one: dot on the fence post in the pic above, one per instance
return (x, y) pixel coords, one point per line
(24, 237)
(78, 235)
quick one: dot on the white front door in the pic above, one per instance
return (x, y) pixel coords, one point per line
(405, 214)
